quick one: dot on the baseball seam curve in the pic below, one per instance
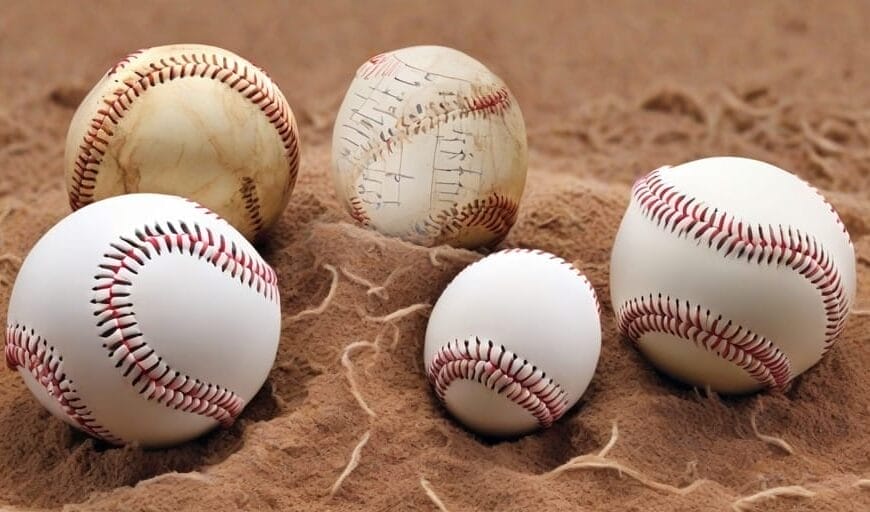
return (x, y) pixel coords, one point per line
(501, 371)
(252, 203)
(678, 213)
(25, 349)
(358, 212)
(495, 213)
(476, 106)
(127, 345)
(755, 354)
(246, 81)
(522, 380)
(479, 105)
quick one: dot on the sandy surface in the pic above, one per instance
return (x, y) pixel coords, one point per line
(609, 90)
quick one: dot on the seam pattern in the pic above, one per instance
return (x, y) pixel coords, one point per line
(27, 350)
(252, 204)
(202, 209)
(121, 64)
(358, 212)
(495, 213)
(425, 118)
(834, 214)
(501, 371)
(755, 354)
(380, 66)
(246, 80)
(127, 345)
(685, 216)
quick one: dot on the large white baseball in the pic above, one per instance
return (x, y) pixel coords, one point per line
(513, 342)
(144, 319)
(189, 120)
(731, 273)
(430, 146)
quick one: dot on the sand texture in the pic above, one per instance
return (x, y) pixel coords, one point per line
(609, 91)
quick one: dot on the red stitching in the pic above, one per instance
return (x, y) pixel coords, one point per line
(246, 81)
(676, 212)
(252, 204)
(427, 117)
(493, 103)
(501, 371)
(383, 65)
(833, 213)
(203, 209)
(757, 355)
(121, 64)
(127, 345)
(358, 212)
(496, 213)
(26, 349)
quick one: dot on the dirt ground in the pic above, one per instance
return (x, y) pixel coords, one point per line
(610, 90)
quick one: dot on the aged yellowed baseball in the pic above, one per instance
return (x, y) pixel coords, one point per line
(429, 145)
(190, 120)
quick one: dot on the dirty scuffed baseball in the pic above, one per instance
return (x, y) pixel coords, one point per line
(189, 120)
(430, 146)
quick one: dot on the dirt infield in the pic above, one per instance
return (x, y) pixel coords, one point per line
(347, 420)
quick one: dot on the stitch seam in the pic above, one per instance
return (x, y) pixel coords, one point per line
(755, 354)
(677, 213)
(252, 204)
(121, 64)
(495, 213)
(501, 371)
(247, 81)
(358, 212)
(428, 117)
(127, 345)
(29, 351)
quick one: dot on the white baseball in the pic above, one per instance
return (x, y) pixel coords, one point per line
(189, 120)
(731, 273)
(144, 319)
(513, 342)
(430, 146)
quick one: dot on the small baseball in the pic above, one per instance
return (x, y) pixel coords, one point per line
(430, 146)
(513, 342)
(189, 120)
(143, 319)
(731, 273)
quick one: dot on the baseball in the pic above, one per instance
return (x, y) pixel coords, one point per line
(731, 273)
(189, 120)
(143, 319)
(513, 342)
(430, 146)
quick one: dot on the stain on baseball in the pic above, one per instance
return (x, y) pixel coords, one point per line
(144, 319)
(513, 342)
(430, 146)
(731, 273)
(189, 120)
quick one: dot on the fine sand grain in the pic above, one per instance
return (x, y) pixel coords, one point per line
(346, 420)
